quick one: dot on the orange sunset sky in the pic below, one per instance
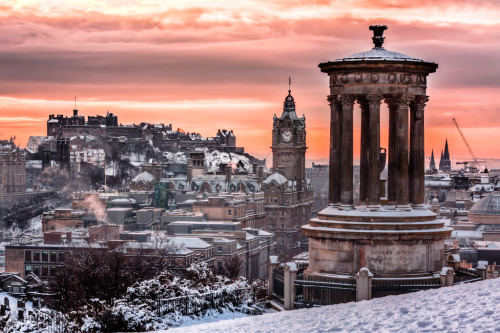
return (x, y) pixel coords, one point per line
(205, 65)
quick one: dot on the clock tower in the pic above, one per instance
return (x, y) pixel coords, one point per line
(289, 143)
(287, 194)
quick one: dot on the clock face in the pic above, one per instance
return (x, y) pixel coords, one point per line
(286, 136)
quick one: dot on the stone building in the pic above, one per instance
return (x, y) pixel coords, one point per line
(44, 258)
(395, 238)
(61, 218)
(287, 193)
(251, 246)
(143, 182)
(163, 136)
(12, 168)
(246, 208)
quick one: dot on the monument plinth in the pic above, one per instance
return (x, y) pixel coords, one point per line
(400, 237)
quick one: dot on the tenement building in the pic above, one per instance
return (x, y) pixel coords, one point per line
(398, 237)
(12, 168)
(287, 193)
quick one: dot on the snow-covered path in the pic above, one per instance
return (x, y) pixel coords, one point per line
(464, 308)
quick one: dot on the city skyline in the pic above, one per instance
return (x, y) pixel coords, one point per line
(228, 65)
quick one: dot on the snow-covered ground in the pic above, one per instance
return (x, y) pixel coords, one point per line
(464, 308)
(13, 303)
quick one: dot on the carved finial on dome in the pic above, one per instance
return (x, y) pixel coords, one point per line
(378, 34)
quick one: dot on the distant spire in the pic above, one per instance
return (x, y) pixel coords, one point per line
(289, 84)
(441, 161)
(432, 165)
(445, 163)
(446, 152)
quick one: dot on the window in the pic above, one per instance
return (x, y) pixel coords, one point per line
(27, 269)
(273, 224)
(282, 213)
(45, 256)
(53, 270)
(229, 212)
(36, 270)
(282, 226)
(219, 248)
(45, 270)
(219, 266)
(282, 241)
(53, 256)
(36, 255)
(61, 256)
(27, 255)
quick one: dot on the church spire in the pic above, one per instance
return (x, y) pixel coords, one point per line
(432, 165)
(445, 162)
(446, 155)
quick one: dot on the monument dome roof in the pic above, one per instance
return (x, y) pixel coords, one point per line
(378, 53)
(489, 205)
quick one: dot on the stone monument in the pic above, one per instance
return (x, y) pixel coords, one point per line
(398, 236)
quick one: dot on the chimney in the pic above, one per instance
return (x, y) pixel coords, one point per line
(260, 174)
(189, 173)
(254, 168)
(228, 170)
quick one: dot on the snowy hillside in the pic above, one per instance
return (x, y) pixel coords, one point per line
(471, 307)
(214, 159)
(178, 157)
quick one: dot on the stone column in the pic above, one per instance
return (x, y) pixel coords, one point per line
(363, 285)
(447, 276)
(335, 136)
(403, 198)
(289, 285)
(364, 150)
(417, 153)
(392, 177)
(346, 190)
(374, 150)
(273, 264)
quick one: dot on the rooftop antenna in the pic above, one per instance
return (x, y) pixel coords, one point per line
(289, 83)
(75, 102)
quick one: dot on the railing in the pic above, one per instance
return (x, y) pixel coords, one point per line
(384, 287)
(279, 286)
(464, 275)
(50, 321)
(313, 291)
(193, 304)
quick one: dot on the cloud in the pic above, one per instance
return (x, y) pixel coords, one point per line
(202, 66)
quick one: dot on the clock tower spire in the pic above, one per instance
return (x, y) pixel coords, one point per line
(289, 142)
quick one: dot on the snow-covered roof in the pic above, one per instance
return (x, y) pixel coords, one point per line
(377, 54)
(277, 177)
(485, 187)
(190, 242)
(462, 308)
(144, 177)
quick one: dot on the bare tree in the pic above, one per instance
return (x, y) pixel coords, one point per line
(232, 266)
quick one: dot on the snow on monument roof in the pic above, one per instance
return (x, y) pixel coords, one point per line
(462, 308)
(144, 177)
(277, 177)
(378, 53)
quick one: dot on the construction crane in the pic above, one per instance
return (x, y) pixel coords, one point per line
(473, 165)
